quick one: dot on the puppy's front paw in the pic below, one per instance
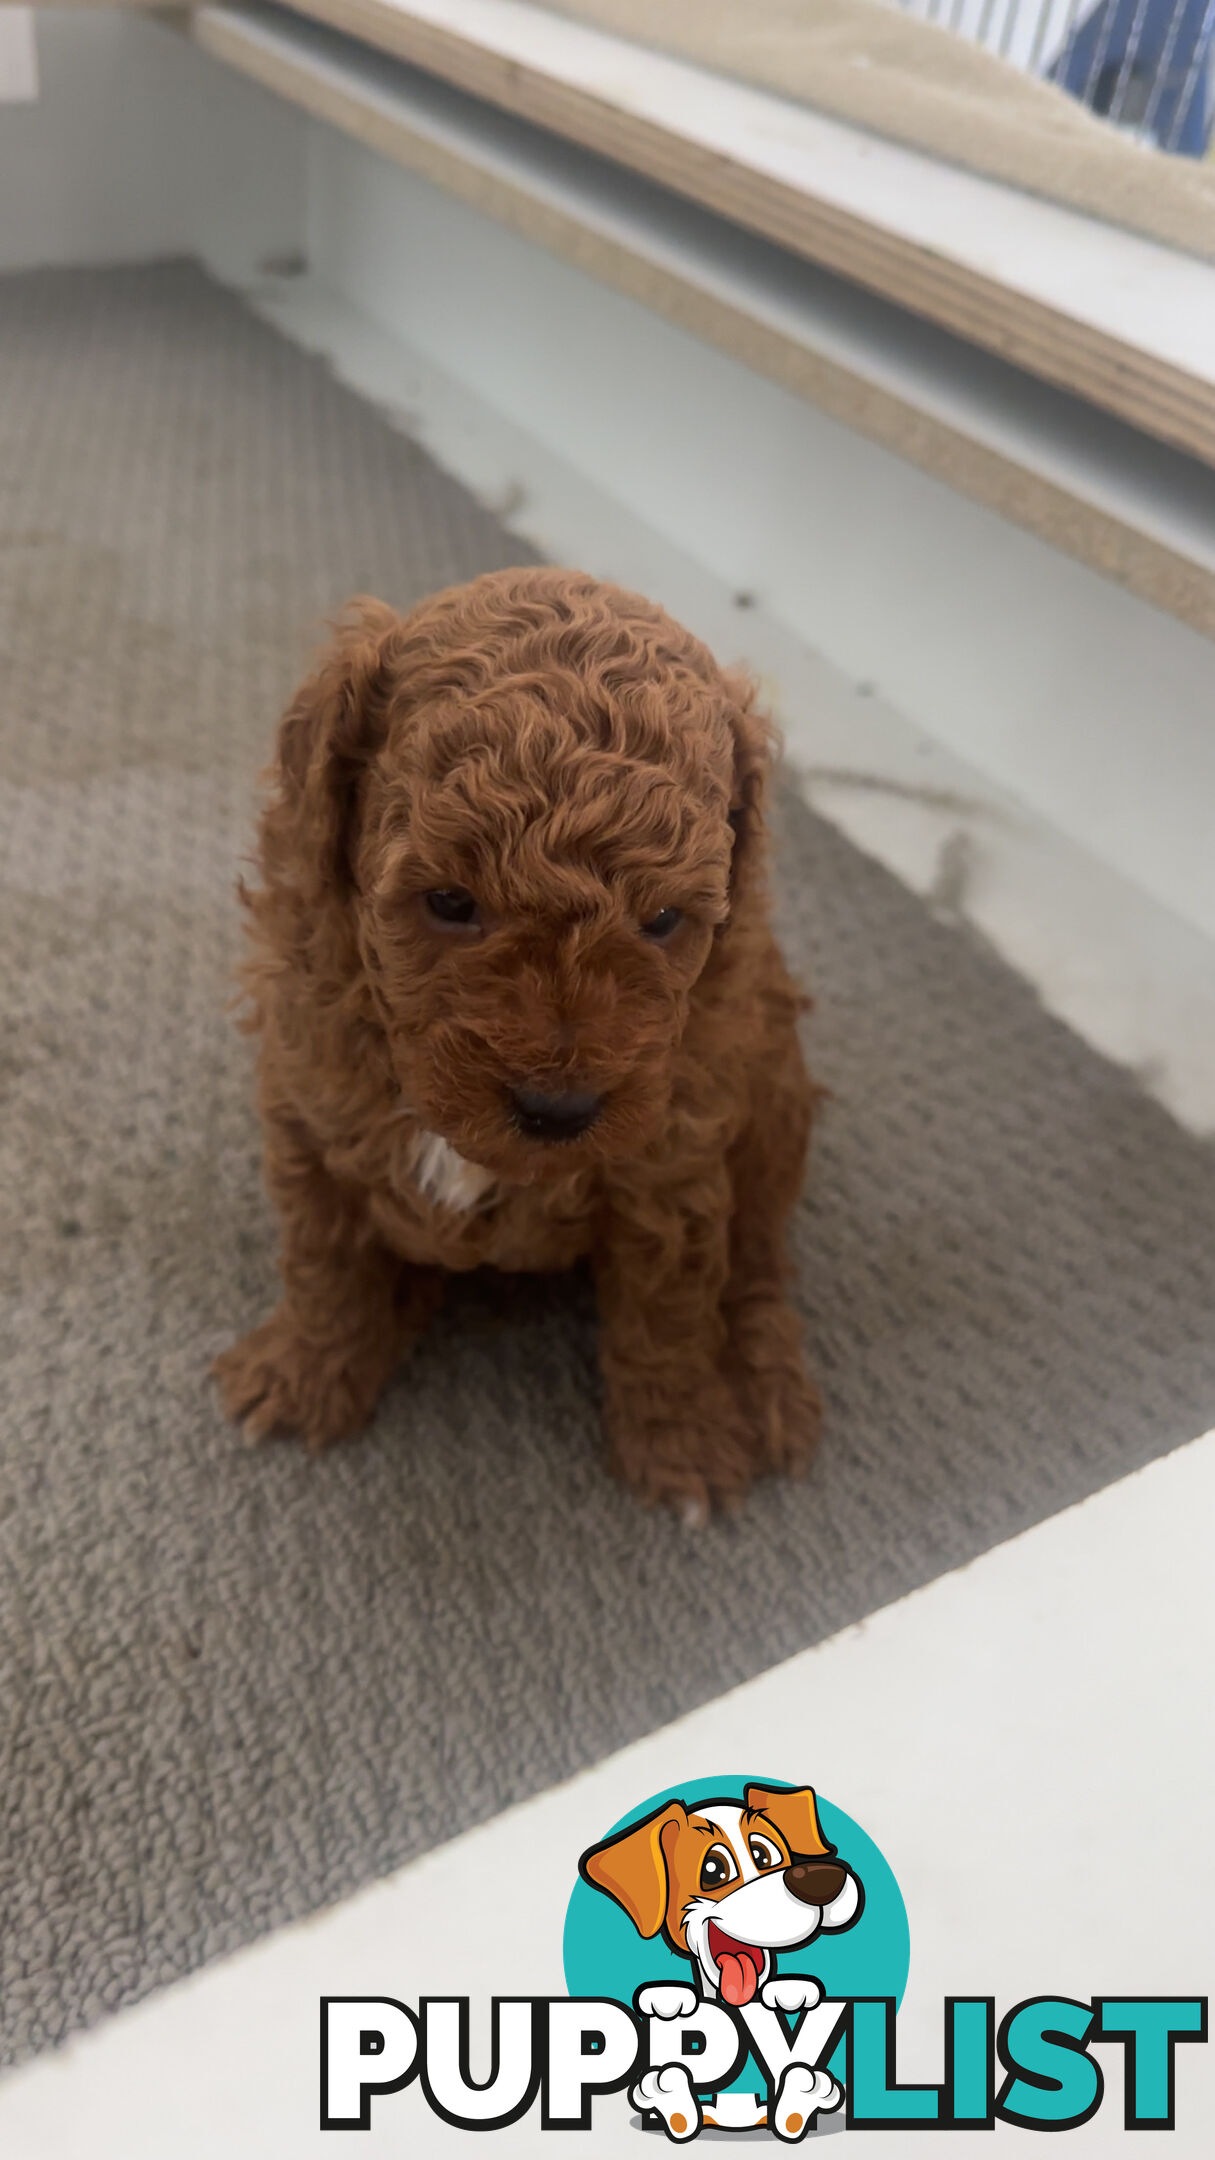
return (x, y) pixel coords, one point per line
(699, 1457)
(275, 1381)
(768, 1368)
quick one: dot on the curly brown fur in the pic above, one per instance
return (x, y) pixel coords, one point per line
(572, 762)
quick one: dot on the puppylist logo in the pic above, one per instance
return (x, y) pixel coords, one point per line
(735, 1953)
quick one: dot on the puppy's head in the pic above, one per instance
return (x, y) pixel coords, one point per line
(727, 1884)
(534, 804)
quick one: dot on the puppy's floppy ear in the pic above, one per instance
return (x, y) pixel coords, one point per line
(632, 1867)
(795, 1815)
(755, 745)
(327, 737)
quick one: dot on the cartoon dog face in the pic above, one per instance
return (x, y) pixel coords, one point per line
(727, 1885)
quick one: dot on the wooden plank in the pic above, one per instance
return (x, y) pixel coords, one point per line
(1123, 323)
(1131, 509)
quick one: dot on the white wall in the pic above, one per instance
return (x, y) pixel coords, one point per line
(1093, 707)
(139, 145)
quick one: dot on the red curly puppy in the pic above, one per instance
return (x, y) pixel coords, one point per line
(520, 1002)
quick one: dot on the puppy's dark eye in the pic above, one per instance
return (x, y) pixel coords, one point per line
(661, 925)
(763, 1854)
(716, 1868)
(451, 904)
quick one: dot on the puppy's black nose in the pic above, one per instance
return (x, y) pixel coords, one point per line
(554, 1117)
(816, 1882)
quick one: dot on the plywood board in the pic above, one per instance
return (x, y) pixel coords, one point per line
(1120, 321)
(1134, 511)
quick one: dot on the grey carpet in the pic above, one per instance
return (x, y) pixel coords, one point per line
(234, 1686)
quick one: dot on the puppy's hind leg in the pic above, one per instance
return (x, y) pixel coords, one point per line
(349, 1311)
(765, 1359)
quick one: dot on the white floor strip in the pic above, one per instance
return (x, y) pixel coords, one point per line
(1132, 977)
(1029, 1740)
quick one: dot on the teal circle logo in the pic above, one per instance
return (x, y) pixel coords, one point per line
(604, 1954)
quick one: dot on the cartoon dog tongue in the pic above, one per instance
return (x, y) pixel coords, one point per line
(740, 1968)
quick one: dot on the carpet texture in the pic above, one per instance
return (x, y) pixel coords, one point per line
(234, 1685)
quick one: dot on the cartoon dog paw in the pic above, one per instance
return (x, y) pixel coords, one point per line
(666, 1999)
(668, 2092)
(802, 2095)
(791, 1992)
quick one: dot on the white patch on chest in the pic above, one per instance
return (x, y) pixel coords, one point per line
(443, 1175)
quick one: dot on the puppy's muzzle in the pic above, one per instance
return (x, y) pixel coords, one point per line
(815, 1882)
(554, 1117)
